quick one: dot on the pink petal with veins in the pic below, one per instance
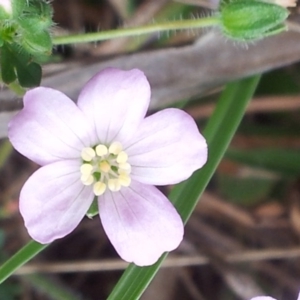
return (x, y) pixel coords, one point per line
(116, 102)
(141, 223)
(53, 201)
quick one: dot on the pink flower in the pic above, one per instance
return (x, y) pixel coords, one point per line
(268, 298)
(6, 4)
(263, 298)
(105, 147)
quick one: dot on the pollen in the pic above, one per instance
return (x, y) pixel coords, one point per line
(105, 167)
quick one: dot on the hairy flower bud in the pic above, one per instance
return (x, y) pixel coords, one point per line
(251, 20)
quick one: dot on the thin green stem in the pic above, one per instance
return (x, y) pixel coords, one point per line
(15, 87)
(126, 32)
(5, 151)
(20, 258)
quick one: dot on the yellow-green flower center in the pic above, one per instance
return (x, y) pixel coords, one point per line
(105, 167)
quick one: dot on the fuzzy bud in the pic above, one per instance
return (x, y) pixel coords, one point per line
(252, 20)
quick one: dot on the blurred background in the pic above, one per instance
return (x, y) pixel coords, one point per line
(243, 239)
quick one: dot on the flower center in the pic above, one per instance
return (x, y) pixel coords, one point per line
(105, 167)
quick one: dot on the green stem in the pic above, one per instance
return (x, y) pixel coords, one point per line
(20, 258)
(125, 32)
(5, 151)
(218, 132)
(15, 87)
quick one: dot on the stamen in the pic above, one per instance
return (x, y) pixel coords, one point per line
(124, 179)
(86, 169)
(88, 154)
(122, 157)
(105, 167)
(99, 188)
(115, 148)
(125, 167)
(101, 150)
(87, 180)
(114, 185)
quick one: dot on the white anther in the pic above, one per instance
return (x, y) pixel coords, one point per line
(124, 167)
(101, 150)
(86, 169)
(87, 179)
(115, 148)
(99, 188)
(114, 185)
(124, 180)
(88, 154)
(104, 166)
(122, 157)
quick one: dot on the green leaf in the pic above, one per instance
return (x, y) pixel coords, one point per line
(8, 73)
(219, 132)
(38, 44)
(20, 258)
(246, 191)
(50, 287)
(16, 63)
(29, 75)
(280, 160)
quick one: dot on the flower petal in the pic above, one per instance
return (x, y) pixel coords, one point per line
(116, 101)
(263, 298)
(167, 149)
(140, 222)
(49, 128)
(53, 201)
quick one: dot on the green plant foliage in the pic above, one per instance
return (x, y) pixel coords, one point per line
(245, 191)
(25, 41)
(251, 20)
(284, 161)
(8, 73)
(16, 63)
(93, 210)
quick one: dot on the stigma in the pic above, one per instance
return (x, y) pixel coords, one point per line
(105, 167)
